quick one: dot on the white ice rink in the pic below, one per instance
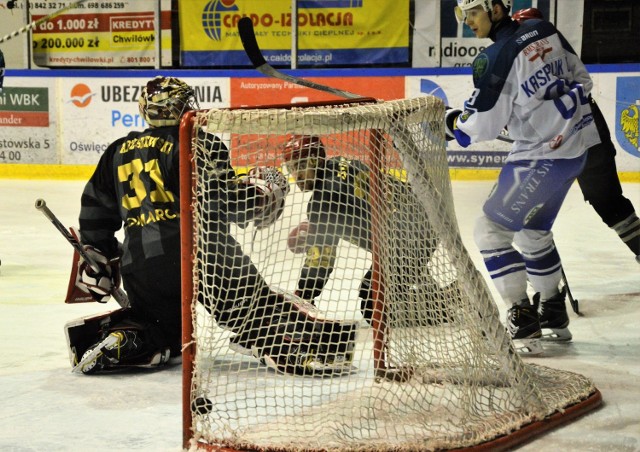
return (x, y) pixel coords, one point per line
(43, 407)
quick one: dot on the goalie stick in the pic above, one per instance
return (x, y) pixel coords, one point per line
(117, 293)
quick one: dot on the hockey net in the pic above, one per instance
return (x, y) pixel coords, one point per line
(432, 368)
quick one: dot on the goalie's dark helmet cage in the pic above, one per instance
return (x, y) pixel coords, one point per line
(164, 100)
(303, 146)
(528, 13)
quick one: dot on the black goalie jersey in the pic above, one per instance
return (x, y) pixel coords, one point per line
(135, 184)
(340, 209)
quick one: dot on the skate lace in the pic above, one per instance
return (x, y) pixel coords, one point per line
(120, 341)
(303, 358)
(511, 319)
(541, 309)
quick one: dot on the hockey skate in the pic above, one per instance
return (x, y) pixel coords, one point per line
(303, 342)
(553, 316)
(116, 351)
(523, 325)
(109, 350)
(303, 354)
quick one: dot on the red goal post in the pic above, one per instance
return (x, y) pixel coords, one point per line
(431, 368)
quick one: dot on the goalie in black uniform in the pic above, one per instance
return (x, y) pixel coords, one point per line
(136, 185)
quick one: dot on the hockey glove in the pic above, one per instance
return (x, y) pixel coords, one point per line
(271, 188)
(450, 117)
(299, 238)
(99, 284)
(451, 128)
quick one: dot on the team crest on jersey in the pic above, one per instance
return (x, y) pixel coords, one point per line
(480, 65)
(538, 49)
(628, 114)
(556, 142)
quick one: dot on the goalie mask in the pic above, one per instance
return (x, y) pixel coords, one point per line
(164, 100)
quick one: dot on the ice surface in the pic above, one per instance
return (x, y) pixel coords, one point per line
(44, 407)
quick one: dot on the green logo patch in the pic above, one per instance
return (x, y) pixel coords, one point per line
(480, 65)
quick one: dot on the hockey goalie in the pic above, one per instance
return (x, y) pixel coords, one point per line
(285, 332)
(135, 186)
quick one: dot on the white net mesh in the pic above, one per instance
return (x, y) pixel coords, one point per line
(423, 364)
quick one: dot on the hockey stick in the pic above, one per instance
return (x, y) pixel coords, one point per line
(573, 301)
(35, 23)
(250, 44)
(251, 48)
(117, 293)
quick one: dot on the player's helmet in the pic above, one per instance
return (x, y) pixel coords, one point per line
(303, 146)
(528, 13)
(164, 100)
(465, 5)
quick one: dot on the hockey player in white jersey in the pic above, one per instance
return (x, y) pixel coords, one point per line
(531, 81)
(599, 180)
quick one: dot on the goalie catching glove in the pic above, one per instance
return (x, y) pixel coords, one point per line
(99, 284)
(271, 188)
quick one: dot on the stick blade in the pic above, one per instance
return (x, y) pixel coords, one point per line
(249, 42)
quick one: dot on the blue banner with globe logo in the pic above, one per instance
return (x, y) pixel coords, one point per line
(330, 32)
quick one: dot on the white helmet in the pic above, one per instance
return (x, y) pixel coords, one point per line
(465, 5)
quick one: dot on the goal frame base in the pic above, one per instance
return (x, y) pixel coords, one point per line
(521, 436)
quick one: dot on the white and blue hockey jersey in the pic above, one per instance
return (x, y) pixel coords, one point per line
(531, 81)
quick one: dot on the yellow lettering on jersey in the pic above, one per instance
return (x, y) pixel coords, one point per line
(320, 257)
(159, 194)
(130, 172)
(129, 175)
(146, 218)
(140, 143)
(167, 147)
(361, 185)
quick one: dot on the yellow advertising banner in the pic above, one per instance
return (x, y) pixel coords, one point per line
(330, 32)
(101, 34)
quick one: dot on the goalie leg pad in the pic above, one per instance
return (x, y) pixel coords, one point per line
(300, 353)
(295, 338)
